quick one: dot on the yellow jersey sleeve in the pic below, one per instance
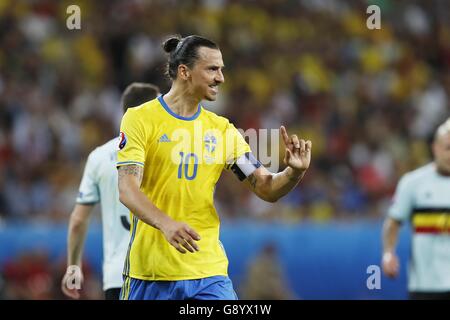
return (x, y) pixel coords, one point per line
(132, 140)
(236, 145)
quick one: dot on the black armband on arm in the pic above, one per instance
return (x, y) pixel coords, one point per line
(245, 166)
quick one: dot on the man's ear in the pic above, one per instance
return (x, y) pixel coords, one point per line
(183, 71)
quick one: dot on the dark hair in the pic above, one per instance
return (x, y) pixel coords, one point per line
(183, 51)
(137, 93)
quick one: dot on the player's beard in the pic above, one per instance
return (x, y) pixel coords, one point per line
(212, 93)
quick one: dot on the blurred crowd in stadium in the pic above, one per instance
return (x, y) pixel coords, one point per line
(34, 276)
(368, 99)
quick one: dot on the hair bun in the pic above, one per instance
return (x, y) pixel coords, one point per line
(170, 44)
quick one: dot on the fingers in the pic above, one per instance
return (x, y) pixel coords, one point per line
(394, 269)
(193, 233)
(305, 146)
(305, 150)
(74, 294)
(190, 241)
(308, 146)
(71, 293)
(189, 245)
(284, 135)
(388, 270)
(187, 242)
(296, 142)
(182, 245)
(184, 239)
(301, 146)
(391, 272)
(177, 246)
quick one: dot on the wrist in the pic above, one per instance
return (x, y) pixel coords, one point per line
(73, 269)
(72, 265)
(162, 222)
(295, 174)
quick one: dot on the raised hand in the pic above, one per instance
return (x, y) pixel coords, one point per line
(298, 151)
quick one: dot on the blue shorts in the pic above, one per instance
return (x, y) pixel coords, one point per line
(211, 288)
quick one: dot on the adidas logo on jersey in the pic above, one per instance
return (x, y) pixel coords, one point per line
(164, 138)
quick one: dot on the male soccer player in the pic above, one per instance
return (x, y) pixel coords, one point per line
(99, 184)
(175, 151)
(423, 198)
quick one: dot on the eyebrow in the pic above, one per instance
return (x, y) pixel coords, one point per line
(215, 66)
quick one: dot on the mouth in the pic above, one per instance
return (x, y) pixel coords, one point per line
(214, 88)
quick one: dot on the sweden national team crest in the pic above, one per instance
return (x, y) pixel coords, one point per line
(210, 143)
(210, 146)
(123, 140)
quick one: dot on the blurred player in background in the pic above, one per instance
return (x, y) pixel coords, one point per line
(169, 186)
(423, 198)
(99, 184)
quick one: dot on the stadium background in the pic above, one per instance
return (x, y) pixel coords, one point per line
(368, 99)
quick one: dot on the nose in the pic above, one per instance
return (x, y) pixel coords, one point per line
(219, 77)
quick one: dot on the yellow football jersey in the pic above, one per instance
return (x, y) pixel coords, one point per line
(182, 159)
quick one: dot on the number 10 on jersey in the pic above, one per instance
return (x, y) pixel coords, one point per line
(184, 162)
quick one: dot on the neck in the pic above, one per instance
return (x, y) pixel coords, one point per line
(181, 102)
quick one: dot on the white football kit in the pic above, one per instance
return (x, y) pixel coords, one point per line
(99, 184)
(423, 199)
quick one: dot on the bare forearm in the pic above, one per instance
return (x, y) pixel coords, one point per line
(390, 235)
(130, 179)
(142, 207)
(271, 187)
(180, 235)
(78, 226)
(75, 247)
(283, 182)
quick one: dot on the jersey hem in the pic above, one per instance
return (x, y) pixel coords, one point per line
(176, 278)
